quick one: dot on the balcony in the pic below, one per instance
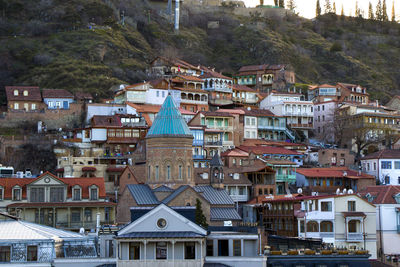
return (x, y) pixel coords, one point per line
(327, 234)
(227, 143)
(164, 263)
(213, 143)
(272, 127)
(198, 157)
(219, 101)
(290, 178)
(198, 142)
(239, 198)
(192, 101)
(221, 127)
(354, 237)
(318, 235)
(301, 126)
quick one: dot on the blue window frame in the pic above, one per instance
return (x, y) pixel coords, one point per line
(386, 165)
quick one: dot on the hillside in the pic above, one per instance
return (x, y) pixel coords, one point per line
(50, 44)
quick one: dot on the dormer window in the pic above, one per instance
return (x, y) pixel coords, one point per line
(94, 193)
(26, 93)
(397, 198)
(16, 193)
(76, 193)
(15, 92)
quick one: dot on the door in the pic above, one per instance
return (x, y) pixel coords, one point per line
(223, 247)
(65, 105)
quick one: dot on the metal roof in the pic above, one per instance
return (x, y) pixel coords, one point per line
(216, 161)
(187, 212)
(217, 214)
(169, 122)
(213, 195)
(22, 230)
(174, 194)
(161, 235)
(163, 188)
(142, 194)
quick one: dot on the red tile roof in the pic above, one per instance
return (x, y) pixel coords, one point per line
(244, 88)
(9, 183)
(384, 154)
(188, 78)
(145, 108)
(106, 121)
(83, 96)
(259, 150)
(215, 114)
(56, 93)
(234, 153)
(231, 111)
(382, 194)
(333, 172)
(33, 93)
(259, 113)
(64, 204)
(214, 74)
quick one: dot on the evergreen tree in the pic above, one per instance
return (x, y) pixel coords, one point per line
(328, 8)
(342, 12)
(318, 9)
(378, 11)
(282, 3)
(276, 2)
(199, 218)
(291, 5)
(334, 7)
(385, 16)
(370, 12)
(357, 12)
(393, 13)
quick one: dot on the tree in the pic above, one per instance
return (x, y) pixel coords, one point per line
(200, 219)
(282, 3)
(318, 9)
(291, 5)
(378, 11)
(370, 12)
(334, 7)
(358, 11)
(342, 12)
(385, 16)
(276, 2)
(393, 13)
(328, 8)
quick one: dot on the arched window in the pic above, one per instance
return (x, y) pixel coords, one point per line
(312, 226)
(180, 172)
(26, 93)
(326, 227)
(15, 92)
(168, 172)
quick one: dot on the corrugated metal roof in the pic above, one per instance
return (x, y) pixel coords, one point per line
(22, 230)
(161, 235)
(218, 214)
(142, 194)
(213, 195)
(187, 212)
(169, 122)
(174, 194)
(163, 188)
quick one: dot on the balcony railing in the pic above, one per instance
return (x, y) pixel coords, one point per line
(192, 101)
(198, 157)
(355, 237)
(327, 234)
(164, 263)
(286, 178)
(239, 198)
(300, 125)
(272, 127)
(213, 143)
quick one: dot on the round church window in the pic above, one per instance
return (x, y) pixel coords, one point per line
(161, 223)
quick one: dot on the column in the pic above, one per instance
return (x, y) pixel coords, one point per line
(242, 247)
(82, 217)
(201, 252)
(24, 213)
(173, 251)
(54, 217)
(145, 250)
(39, 217)
(230, 247)
(69, 217)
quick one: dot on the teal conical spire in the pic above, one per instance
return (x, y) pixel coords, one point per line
(169, 122)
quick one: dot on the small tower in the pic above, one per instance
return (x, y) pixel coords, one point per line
(216, 171)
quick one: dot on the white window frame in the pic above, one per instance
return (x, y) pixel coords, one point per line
(26, 93)
(16, 93)
(73, 192)
(16, 105)
(90, 193)
(17, 187)
(33, 106)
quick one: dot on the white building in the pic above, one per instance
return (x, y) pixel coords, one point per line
(387, 202)
(384, 165)
(344, 220)
(298, 112)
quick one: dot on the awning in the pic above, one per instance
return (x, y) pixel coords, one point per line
(89, 169)
(353, 214)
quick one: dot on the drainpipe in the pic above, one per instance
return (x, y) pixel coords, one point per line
(380, 234)
(97, 223)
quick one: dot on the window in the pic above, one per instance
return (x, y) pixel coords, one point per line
(58, 104)
(5, 252)
(168, 172)
(26, 106)
(32, 253)
(93, 193)
(33, 106)
(50, 104)
(16, 106)
(25, 93)
(188, 173)
(397, 165)
(353, 226)
(210, 248)
(56, 194)
(190, 251)
(17, 193)
(37, 194)
(157, 173)
(326, 206)
(15, 92)
(134, 250)
(1, 193)
(386, 164)
(351, 205)
(88, 215)
(161, 250)
(312, 226)
(326, 226)
(180, 172)
(158, 93)
(374, 166)
(237, 248)
(76, 216)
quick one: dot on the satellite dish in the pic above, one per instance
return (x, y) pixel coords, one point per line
(82, 231)
(338, 191)
(350, 191)
(299, 191)
(344, 191)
